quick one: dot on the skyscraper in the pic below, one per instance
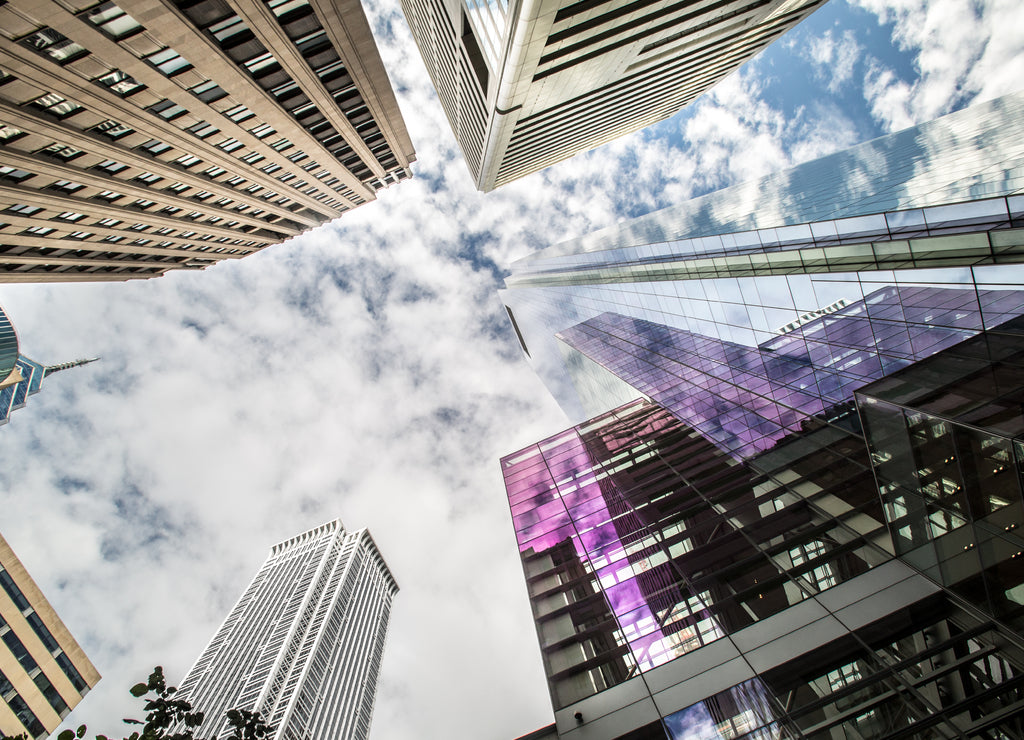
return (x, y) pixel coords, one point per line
(43, 671)
(20, 377)
(873, 233)
(152, 135)
(681, 595)
(801, 518)
(304, 643)
(526, 85)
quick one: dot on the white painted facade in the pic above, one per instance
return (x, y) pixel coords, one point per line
(304, 643)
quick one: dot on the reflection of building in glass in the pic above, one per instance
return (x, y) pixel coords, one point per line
(139, 137)
(731, 548)
(947, 444)
(304, 643)
(20, 377)
(527, 85)
(932, 206)
(43, 671)
(747, 398)
(681, 594)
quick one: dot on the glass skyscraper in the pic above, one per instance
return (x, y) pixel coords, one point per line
(304, 643)
(790, 503)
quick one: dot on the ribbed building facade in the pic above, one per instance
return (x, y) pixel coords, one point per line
(43, 671)
(528, 83)
(151, 135)
(304, 643)
(791, 503)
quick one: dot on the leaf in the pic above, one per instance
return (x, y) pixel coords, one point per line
(81, 731)
(66, 735)
(139, 689)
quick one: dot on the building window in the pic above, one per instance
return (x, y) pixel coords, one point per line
(71, 216)
(235, 181)
(23, 209)
(230, 145)
(113, 239)
(213, 172)
(188, 160)
(108, 222)
(167, 110)
(9, 133)
(110, 166)
(208, 92)
(56, 105)
(177, 187)
(169, 62)
(109, 195)
(112, 129)
(55, 45)
(202, 129)
(262, 131)
(113, 21)
(38, 230)
(281, 145)
(142, 203)
(149, 178)
(120, 83)
(79, 235)
(16, 175)
(155, 147)
(226, 30)
(238, 114)
(252, 158)
(62, 152)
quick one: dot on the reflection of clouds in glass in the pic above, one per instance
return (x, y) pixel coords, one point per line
(692, 723)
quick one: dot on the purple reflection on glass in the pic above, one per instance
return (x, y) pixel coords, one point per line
(578, 512)
(746, 399)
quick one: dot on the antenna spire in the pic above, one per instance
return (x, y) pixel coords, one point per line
(50, 369)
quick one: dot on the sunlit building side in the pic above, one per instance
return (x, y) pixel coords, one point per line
(43, 671)
(148, 135)
(528, 84)
(304, 643)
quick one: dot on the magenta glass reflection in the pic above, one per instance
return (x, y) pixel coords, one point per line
(746, 399)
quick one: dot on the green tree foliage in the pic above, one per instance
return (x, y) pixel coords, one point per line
(165, 713)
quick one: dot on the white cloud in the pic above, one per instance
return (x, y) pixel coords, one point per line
(964, 53)
(834, 56)
(363, 370)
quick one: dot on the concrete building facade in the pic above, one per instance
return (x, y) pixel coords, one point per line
(529, 83)
(303, 645)
(43, 671)
(151, 135)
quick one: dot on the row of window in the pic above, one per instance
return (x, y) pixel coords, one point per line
(107, 222)
(21, 710)
(42, 632)
(166, 60)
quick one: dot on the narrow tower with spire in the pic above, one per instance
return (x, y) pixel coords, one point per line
(20, 377)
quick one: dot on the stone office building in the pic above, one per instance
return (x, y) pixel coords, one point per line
(146, 136)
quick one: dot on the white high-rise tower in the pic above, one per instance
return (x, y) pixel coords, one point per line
(303, 644)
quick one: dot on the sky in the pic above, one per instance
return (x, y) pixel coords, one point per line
(365, 370)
